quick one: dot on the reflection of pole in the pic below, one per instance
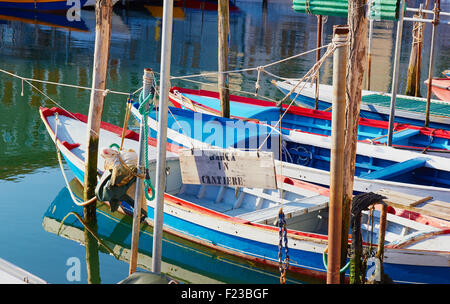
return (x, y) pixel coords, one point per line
(319, 44)
(139, 198)
(101, 53)
(436, 10)
(224, 34)
(398, 45)
(160, 186)
(337, 155)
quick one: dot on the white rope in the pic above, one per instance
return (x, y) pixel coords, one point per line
(250, 69)
(74, 198)
(28, 80)
(231, 89)
(311, 75)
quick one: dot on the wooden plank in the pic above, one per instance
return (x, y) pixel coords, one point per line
(410, 202)
(228, 167)
(403, 198)
(436, 211)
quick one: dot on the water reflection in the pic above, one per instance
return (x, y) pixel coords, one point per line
(261, 33)
(182, 260)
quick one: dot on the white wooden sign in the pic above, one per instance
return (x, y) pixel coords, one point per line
(228, 167)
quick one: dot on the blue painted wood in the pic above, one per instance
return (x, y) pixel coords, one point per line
(271, 115)
(371, 113)
(396, 169)
(400, 135)
(226, 132)
(43, 5)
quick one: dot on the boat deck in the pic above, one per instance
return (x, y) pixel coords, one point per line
(423, 205)
(402, 103)
(11, 274)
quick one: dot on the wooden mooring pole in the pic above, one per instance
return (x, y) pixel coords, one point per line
(340, 35)
(139, 198)
(103, 11)
(224, 34)
(415, 59)
(357, 52)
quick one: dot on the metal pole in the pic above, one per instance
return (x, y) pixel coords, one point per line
(319, 44)
(369, 49)
(139, 197)
(337, 156)
(162, 134)
(398, 46)
(430, 68)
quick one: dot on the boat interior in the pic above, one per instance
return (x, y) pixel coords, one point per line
(305, 210)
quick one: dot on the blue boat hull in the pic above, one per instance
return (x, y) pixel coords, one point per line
(306, 262)
(189, 221)
(40, 5)
(323, 105)
(216, 131)
(117, 228)
(317, 124)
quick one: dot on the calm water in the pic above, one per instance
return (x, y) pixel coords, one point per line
(33, 197)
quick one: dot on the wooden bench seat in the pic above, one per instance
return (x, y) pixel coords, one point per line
(290, 209)
(396, 169)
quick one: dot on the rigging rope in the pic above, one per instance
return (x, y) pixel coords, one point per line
(75, 200)
(144, 114)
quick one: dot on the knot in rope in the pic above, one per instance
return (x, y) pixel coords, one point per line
(257, 86)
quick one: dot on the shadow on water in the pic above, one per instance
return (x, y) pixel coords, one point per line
(182, 260)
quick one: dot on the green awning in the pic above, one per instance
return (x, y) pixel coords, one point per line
(380, 9)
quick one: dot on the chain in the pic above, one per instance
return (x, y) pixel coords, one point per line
(283, 264)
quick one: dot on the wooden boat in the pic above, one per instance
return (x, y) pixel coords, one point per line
(187, 261)
(441, 88)
(446, 73)
(13, 274)
(242, 222)
(424, 140)
(306, 156)
(48, 5)
(375, 105)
